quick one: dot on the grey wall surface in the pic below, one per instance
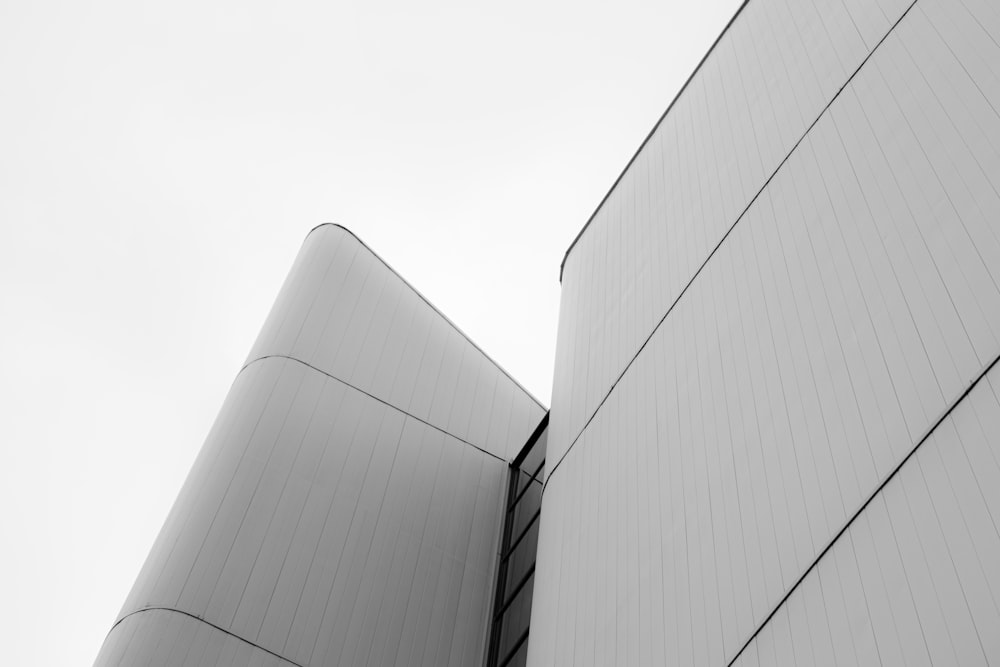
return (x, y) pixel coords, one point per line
(914, 579)
(793, 281)
(347, 314)
(346, 506)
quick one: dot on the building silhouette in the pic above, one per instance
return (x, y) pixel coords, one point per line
(775, 427)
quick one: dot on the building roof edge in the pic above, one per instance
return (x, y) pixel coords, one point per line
(433, 307)
(680, 92)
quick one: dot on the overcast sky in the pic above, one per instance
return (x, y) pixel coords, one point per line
(160, 164)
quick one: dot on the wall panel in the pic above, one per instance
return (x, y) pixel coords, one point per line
(343, 311)
(913, 580)
(346, 506)
(769, 77)
(852, 304)
(165, 637)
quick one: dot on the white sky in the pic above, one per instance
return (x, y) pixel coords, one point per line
(160, 164)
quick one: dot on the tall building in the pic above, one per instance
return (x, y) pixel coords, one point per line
(775, 426)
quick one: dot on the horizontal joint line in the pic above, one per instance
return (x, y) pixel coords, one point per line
(370, 395)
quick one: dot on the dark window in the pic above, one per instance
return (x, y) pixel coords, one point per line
(508, 645)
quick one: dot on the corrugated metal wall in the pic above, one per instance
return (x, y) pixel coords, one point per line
(794, 280)
(346, 506)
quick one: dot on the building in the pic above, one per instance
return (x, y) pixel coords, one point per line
(350, 489)
(774, 426)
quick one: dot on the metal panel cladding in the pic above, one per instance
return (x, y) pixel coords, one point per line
(773, 436)
(346, 505)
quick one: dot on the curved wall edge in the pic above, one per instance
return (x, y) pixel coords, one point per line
(327, 518)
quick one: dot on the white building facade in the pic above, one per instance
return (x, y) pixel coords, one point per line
(346, 507)
(775, 426)
(775, 430)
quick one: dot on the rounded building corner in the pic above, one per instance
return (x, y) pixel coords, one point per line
(336, 225)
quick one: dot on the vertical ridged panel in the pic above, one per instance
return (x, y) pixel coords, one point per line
(164, 637)
(852, 304)
(769, 77)
(344, 311)
(914, 579)
(336, 529)
(342, 519)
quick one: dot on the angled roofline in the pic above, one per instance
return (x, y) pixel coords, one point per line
(433, 307)
(680, 92)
